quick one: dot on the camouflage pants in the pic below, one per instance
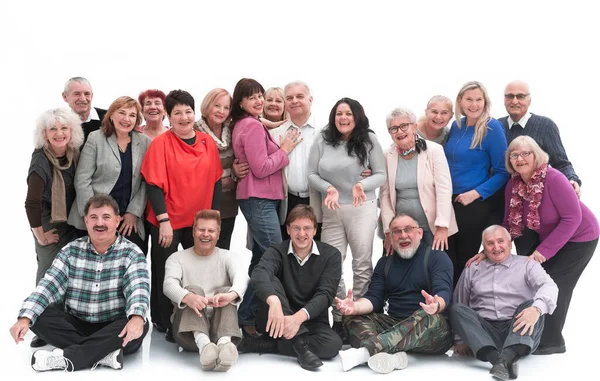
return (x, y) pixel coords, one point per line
(420, 333)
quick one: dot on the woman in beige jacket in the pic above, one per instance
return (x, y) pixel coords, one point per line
(418, 182)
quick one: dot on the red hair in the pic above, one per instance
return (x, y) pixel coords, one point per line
(151, 93)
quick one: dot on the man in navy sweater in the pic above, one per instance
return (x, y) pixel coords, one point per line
(296, 281)
(416, 282)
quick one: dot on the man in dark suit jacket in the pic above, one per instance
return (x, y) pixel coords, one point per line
(78, 94)
(296, 280)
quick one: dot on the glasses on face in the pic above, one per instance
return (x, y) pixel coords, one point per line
(403, 127)
(298, 229)
(406, 229)
(515, 155)
(520, 96)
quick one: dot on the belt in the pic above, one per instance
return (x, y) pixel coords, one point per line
(299, 194)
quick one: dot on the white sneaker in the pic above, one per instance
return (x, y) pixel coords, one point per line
(208, 356)
(228, 355)
(113, 360)
(44, 360)
(385, 363)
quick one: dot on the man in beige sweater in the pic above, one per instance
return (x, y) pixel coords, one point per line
(205, 284)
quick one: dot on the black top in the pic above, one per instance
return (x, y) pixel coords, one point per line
(311, 286)
(92, 125)
(121, 192)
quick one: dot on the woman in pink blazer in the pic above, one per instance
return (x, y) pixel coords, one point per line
(418, 182)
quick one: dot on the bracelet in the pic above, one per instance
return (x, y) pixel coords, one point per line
(538, 310)
(163, 220)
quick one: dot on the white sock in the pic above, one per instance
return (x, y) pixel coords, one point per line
(224, 340)
(201, 340)
(353, 357)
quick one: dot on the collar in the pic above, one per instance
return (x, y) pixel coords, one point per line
(506, 263)
(314, 250)
(310, 123)
(93, 115)
(522, 122)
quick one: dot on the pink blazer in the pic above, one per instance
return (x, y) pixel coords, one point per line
(435, 188)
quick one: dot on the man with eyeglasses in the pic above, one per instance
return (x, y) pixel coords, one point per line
(416, 283)
(296, 281)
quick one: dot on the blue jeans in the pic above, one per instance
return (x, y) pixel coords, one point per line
(263, 223)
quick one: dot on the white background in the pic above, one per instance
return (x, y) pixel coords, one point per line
(384, 55)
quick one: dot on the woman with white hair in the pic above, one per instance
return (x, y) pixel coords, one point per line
(434, 125)
(50, 187)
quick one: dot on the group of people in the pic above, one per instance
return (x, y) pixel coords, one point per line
(103, 189)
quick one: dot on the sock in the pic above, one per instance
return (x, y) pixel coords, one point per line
(201, 340)
(490, 354)
(510, 353)
(223, 340)
(353, 357)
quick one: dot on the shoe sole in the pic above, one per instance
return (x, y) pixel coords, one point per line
(228, 355)
(120, 359)
(209, 356)
(386, 363)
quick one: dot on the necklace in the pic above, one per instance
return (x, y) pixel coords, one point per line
(223, 142)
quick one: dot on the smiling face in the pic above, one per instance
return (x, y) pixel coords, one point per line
(515, 107)
(274, 105)
(344, 120)
(101, 224)
(523, 162)
(219, 111)
(153, 110)
(182, 121)
(438, 115)
(497, 245)
(79, 98)
(253, 104)
(124, 120)
(405, 140)
(206, 234)
(405, 244)
(58, 137)
(301, 232)
(298, 102)
(472, 105)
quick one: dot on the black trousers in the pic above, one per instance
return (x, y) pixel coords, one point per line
(294, 200)
(472, 221)
(481, 334)
(161, 307)
(565, 268)
(83, 343)
(227, 225)
(322, 340)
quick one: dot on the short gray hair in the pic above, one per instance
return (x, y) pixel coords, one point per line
(492, 229)
(78, 80)
(439, 99)
(527, 142)
(400, 112)
(63, 116)
(296, 83)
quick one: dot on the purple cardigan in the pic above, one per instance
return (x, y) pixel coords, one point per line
(563, 217)
(253, 144)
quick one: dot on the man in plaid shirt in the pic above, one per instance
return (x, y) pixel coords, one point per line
(102, 281)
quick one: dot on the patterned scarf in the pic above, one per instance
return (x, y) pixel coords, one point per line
(59, 204)
(531, 191)
(223, 143)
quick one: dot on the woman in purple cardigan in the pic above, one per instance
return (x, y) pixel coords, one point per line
(541, 198)
(260, 192)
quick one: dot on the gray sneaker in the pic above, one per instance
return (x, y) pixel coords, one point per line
(228, 355)
(208, 356)
(112, 360)
(385, 363)
(44, 360)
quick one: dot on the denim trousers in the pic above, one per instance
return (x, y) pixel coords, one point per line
(263, 223)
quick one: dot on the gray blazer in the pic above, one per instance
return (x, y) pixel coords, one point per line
(98, 171)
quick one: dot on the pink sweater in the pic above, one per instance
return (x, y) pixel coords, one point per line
(253, 144)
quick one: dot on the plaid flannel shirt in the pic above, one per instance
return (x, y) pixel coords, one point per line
(94, 287)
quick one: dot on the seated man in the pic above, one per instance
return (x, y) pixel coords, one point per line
(102, 281)
(405, 280)
(296, 280)
(205, 284)
(499, 305)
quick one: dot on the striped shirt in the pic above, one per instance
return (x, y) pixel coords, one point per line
(94, 287)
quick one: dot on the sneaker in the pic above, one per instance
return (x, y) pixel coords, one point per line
(43, 360)
(385, 363)
(228, 355)
(37, 342)
(208, 356)
(113, 360)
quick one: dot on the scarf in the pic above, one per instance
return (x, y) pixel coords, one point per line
(59, 203)
(532, 192)
(223, 143)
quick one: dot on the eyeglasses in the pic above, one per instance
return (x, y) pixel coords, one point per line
(298, 229)
(520, 96)
(407, 230)
(515, 156)
(403, 127)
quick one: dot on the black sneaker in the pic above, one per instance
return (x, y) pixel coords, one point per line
(306, 357)
(169, 336)
(261, 344)
(37, 342)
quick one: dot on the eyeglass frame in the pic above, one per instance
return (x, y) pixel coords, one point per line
(520, 96)
(298, 229)
(402, 127)
(404, 230)
(523, 154)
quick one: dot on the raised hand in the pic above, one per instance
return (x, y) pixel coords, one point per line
(346, 306)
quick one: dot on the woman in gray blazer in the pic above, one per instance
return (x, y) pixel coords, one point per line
(110, 163)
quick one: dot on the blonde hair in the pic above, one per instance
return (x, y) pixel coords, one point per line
(280, 93)
(481, 125)
(523, 141)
